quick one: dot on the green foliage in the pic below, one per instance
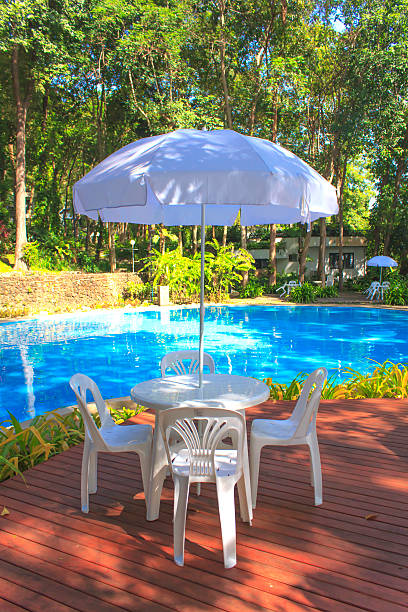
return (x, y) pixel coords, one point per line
(223, 269)
(305, 294)
(47, 435)
(387, 380)
(326, 292)
(98, 75)
(12, 312)
(254, 288)
(137, 292)
(397, 294)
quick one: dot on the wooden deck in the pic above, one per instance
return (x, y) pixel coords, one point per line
(351, 553)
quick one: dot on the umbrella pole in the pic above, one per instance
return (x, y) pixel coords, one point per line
(201, 348)
(380, 274)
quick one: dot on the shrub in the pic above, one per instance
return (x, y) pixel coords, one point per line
(325, 292)
(137, 292)
(223, 268)
(387, 380)
(254, 288)
(397, 294)
(48, 435)
(305, 294)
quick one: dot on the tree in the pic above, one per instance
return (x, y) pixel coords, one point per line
(34, 37)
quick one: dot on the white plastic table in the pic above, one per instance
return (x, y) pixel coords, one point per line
(218, 390)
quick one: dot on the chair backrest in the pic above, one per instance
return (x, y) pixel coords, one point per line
(185, 362)
(307, 405)
(386, 285)
(202, 430)
(293, 283)
(330, 281)
(81, 384)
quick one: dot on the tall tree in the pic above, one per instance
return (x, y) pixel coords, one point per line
(36, 37)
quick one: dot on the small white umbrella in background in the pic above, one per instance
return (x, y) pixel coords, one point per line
(194, 177)
(382, 261)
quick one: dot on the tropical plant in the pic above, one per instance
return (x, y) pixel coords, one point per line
(387, 380)
(223, 269)
(397, 294)
(254, 288)
(47, 435)
(325, 292)
(137, 292)
(304, 294)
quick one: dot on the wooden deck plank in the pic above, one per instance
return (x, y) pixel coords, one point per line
(295, 557)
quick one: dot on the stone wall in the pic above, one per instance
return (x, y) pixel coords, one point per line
(62, 291)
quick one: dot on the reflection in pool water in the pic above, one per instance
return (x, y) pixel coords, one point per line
(120, 348)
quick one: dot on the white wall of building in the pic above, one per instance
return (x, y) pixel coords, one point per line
(354, 249)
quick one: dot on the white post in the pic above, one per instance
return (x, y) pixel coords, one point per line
(201, 346)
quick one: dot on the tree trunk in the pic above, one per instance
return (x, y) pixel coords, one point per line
(195, 241)
(322, 252)
(180, 241)
(162, 240)
(224, 235)
(224, 82)
(99, 241)
(272, 255)
(244, 246)
(303, 256)
(88, 234)
(20, 165)
(340, 187)
(401, 167)
(111, 244)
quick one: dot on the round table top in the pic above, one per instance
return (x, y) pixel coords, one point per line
(218, 390)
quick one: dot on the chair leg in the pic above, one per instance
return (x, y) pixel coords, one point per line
(84, 477)
(316, 470)
(145, 466)
(93, 472)
(181, 488)
(254, 458)
(226, 509)
(245, 511)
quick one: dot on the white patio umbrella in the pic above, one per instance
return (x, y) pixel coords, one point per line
(382, 261)
(192, 177)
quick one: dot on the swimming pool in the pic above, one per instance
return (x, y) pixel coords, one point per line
(122, 347)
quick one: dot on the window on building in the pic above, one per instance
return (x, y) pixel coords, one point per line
(293, 257)
(261, 264)
(348, 260)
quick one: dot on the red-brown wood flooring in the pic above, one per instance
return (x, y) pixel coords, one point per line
(351, 553)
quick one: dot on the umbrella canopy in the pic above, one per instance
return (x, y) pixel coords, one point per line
(382, 261)
(166, 178)
(192, 177)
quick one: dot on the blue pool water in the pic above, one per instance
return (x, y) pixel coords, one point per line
(120, 348)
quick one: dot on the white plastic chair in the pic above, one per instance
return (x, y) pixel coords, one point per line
(110, 438)
(287, 287)
(281, 290)
(202, 460)
(330, 281)
(372, 290)
(185, 362)
(299, 428)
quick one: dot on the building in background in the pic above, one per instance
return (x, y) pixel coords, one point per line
(354, 256)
